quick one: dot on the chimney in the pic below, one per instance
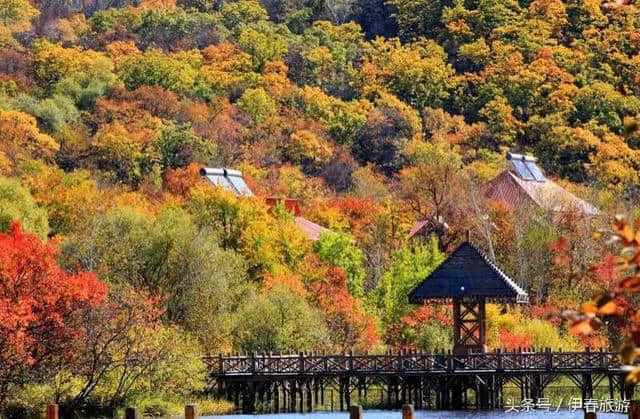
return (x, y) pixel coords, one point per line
(291, 205)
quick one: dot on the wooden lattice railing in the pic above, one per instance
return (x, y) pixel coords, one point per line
(411, 363)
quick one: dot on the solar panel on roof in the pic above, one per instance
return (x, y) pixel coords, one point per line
(217, 180)
(522, 170)
(514, 156)
(535, 171)
(228, 179)
(240, 186)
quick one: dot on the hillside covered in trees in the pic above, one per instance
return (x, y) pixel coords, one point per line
(121, 266)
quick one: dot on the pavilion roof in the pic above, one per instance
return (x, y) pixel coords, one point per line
(468, 272)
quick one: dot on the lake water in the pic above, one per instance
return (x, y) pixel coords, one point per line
(378, 414)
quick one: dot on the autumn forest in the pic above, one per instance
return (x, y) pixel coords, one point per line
(369, 133)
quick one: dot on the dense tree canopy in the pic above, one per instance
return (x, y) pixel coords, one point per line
(371, 114)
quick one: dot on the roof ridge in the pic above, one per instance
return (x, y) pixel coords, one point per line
(509, 284)
(442, 262)
(495, 267)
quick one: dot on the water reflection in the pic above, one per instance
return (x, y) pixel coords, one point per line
(377, 414)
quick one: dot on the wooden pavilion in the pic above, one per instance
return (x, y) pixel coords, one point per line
(465, 378)
(469, 279)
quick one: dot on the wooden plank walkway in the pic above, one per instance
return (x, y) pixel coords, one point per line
(298, 382)
(411, 363)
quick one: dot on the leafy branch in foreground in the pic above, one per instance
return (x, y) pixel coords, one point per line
(619, 301)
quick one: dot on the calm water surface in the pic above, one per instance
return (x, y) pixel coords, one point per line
(378, 414)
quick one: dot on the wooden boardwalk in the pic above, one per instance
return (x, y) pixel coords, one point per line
(302, 382)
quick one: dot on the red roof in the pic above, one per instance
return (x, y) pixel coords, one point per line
(308, 228)
(428, 224)
(417, 226)
(311, 230)
(514, 191)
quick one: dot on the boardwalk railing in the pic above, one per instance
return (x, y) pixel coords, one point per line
(411, 363)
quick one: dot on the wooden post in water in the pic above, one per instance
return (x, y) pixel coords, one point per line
(131, 413)
(634, 409)
(408, 412)
(589, 415)
(355, 412)
(52, 411)
(190, 411)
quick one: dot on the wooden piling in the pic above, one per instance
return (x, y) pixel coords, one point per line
(355, 412)
(408, 412)
(190, 411)
(52, 411)
(131, 413)
(589, 415)
(634, 409)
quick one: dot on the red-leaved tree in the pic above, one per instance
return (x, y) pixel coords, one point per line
(40, 306)
(350, 326)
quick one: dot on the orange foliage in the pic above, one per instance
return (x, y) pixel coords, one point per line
(226, 129)
(157, 4)
(120, 49)
(593, 341)
(71, 200)
(154, 99)
(351, 327)
(125, 111)
(362, 213)
(425, 314)
(22, 140)
(616, 306)
(562, 252)
(397, 334)
(509, 340)
(502, 216)
(548, 310)
(135, 200)
(605, 272)
(179, 181)
(288, 281)
(196, 112)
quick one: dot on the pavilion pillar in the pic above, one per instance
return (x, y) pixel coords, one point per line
(469, 325)
(482, 312)
(456, 324)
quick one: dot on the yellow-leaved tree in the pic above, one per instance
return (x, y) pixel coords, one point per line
(21, 140)
(15, 16)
